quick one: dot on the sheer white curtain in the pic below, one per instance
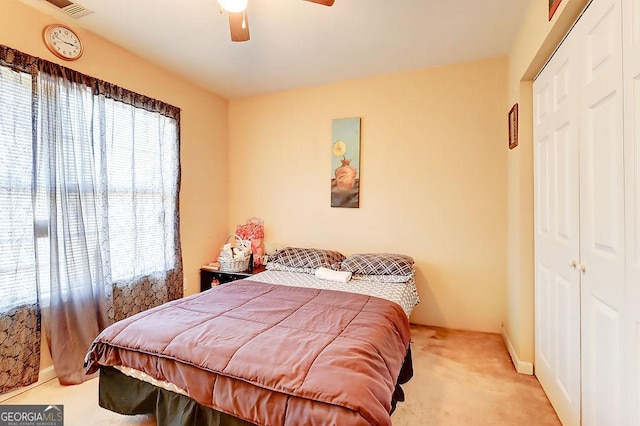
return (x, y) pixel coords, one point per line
(70, 210)
(107, 174)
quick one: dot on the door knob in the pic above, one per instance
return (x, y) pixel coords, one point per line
(573, 264)
(583, 269)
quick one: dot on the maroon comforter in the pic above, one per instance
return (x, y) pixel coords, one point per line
(269, 354)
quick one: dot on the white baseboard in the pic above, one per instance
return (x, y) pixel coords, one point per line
(522, 367)
(46, 374)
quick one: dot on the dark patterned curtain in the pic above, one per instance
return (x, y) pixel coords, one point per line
(19, 307)
(100, 225)
(19, 347)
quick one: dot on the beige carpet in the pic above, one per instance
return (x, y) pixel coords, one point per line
(467, 378)
(461, 378)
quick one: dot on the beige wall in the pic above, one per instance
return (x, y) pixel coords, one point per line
(536, 41)
(433, 170)
(203, 214)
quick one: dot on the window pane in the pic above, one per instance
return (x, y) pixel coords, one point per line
(17, 262)
(142, 167)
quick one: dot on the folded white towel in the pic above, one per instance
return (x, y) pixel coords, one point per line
(331, 275)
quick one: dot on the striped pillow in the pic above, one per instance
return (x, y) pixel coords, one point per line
(307, 259)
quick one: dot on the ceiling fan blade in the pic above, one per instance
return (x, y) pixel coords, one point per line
(239, 26)
(323, 2)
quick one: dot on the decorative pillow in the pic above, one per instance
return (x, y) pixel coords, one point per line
(306, 258)
(378, 264)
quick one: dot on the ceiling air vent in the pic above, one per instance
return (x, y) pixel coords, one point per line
(72, 9)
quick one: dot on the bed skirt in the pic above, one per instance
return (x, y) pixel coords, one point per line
(126, 395)
(130, 396)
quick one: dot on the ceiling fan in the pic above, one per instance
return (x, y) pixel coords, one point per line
(238, 22)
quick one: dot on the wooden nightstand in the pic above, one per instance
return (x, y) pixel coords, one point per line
(222, 277)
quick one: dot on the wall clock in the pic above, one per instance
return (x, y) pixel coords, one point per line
(62, 41)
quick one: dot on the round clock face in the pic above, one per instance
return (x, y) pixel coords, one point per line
(62, 42)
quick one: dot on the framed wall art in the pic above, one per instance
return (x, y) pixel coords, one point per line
(513, 127)
(345, 162)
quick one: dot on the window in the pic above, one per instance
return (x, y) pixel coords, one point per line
(141, 167)
(116, 158)
(89, 179)
(17, 258)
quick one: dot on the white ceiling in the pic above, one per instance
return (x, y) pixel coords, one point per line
(295, 43)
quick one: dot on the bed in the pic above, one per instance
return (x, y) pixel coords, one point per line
(283, 347)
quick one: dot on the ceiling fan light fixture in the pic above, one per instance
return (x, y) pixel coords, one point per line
(233, 6)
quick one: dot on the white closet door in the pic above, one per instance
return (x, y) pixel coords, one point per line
(631, 42)
(602, 207)
(557, 298)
